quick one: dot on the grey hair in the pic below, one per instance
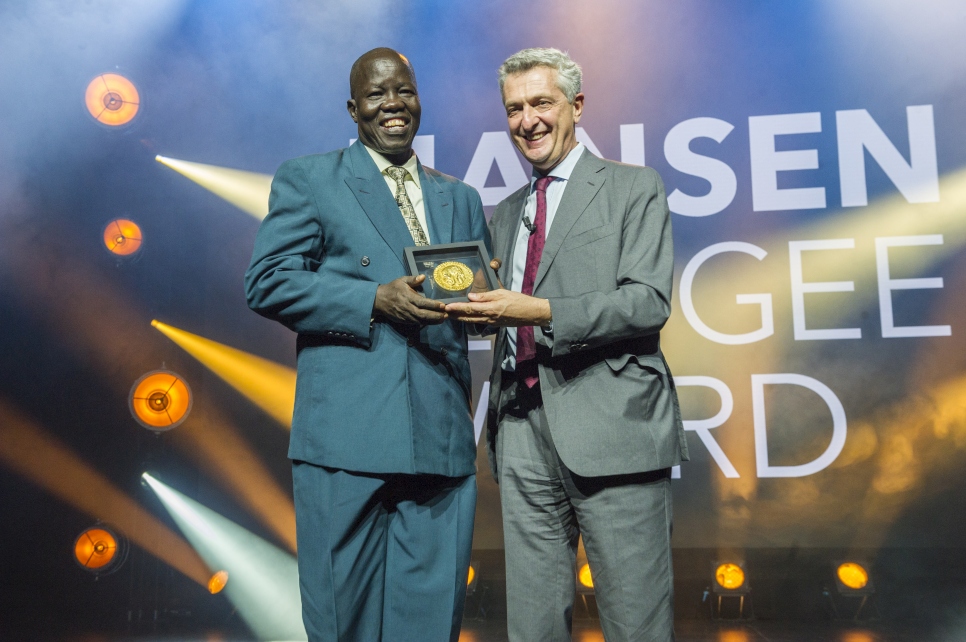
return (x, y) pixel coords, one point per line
(568, 72)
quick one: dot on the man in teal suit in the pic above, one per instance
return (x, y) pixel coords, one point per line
(382, 438)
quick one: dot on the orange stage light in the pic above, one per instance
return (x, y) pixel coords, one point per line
(729, 576)
(217, 582)
(96, 549)
(852, 575)
(122, 237)
(730, 581)
(102, 324)
(28, 449)
(267, 384)
(585, 577)
(470, 576)
(160, 400)
(112, 99)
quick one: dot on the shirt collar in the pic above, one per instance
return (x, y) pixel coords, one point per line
(564, 168)
(383, 163)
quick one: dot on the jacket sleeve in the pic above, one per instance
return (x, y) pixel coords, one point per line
(288, 279)
(486, 233)
(641, 303)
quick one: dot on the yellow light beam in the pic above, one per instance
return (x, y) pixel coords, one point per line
(105, 329)
(29, 450)
(716, 285)
(269, 385)
(247, 191)
(890, 216)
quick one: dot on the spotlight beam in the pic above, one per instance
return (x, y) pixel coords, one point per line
(84, 305)
(267, 384)
(247, 191)
(263, 581)
(27, 449)
(891, 216)
(220, 451)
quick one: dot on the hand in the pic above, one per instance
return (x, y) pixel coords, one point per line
(399, 301)
(502, 308)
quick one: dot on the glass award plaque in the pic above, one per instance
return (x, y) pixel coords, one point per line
(452, 270)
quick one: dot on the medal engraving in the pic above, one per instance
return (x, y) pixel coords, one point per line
(453, 276)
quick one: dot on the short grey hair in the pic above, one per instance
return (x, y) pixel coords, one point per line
(568, 72)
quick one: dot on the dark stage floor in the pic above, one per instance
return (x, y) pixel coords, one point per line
(586, 630)
(708, 631)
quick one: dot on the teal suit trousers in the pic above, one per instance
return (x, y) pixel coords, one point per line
(384, 555)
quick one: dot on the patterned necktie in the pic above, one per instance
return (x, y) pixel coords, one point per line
(399, 175)
(526, 345)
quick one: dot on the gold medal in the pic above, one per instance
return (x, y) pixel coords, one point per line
(453, 276)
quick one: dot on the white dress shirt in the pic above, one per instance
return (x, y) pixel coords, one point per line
(555, 190)
(413, 188)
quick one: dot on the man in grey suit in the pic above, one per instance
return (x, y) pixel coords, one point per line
(585, 423)
(382, 443)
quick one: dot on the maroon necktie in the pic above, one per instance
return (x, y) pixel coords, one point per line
(526, 346)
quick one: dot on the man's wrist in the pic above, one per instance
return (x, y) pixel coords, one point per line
(546, 314)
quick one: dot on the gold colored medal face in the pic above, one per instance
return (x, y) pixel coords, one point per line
(453, 276)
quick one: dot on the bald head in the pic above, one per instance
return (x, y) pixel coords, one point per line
(363, 62)
(384, 103)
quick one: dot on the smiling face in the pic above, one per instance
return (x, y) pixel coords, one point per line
(542, 122)
(385, 104)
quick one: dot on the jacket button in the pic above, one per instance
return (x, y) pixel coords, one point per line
(365, 261)
(444, 352)
(410, 342)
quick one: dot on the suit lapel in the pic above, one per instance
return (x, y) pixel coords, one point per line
(510, 231)
(584, 183)
(438, 205)
(370, 189)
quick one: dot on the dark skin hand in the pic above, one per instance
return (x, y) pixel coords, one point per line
(399, 301)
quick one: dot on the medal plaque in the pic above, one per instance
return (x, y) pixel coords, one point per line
(452, 270)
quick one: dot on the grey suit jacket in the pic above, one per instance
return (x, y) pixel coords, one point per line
(607, 270)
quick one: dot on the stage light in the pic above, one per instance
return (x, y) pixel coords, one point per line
(217, 582)
(264, 585)
(122, 237)
(471, 578)
(160, 400)
(29, 450)
(267, 384)
(247, 191)
(97, 321)
(476, 595)
(585, 584)
(730, 581)
(585, 579)
(729, 577)
(853, 584)
(852, 576)
(100, 550)
(112, 99)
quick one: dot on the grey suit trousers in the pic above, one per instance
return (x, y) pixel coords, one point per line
(625, 521)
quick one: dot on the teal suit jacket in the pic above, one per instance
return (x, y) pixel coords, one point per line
(372, 397)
